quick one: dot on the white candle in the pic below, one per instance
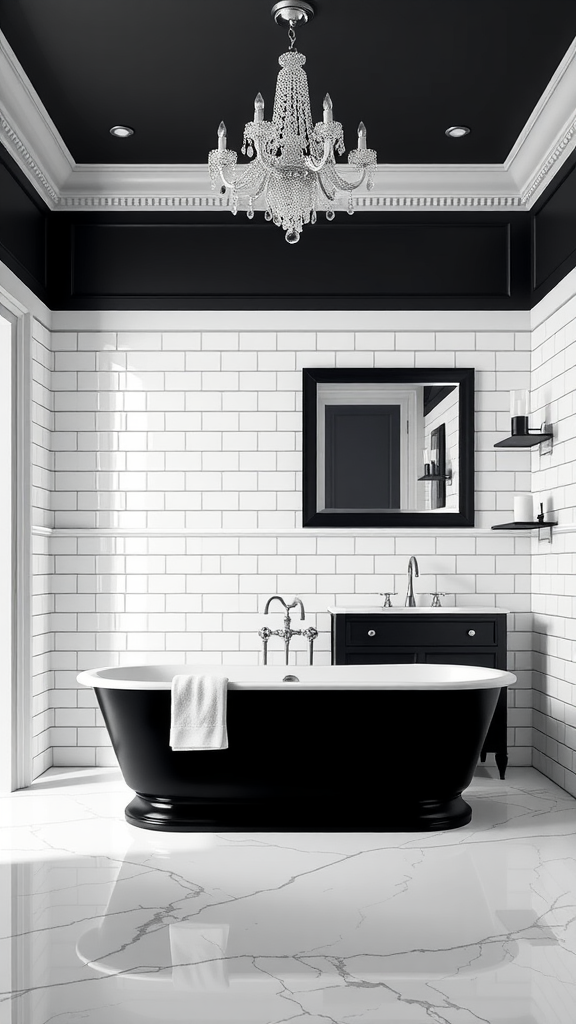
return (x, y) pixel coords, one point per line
(221, 136)
(327, 106)
(259, 107)
(523, 508)
(361, 135)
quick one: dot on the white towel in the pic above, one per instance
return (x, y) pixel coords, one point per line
(198, 720)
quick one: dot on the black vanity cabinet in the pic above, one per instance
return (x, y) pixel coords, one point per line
(475, 638)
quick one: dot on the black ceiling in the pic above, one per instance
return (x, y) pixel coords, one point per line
(174, 68)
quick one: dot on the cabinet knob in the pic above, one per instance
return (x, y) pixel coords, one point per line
(471, 632)
(371, 632)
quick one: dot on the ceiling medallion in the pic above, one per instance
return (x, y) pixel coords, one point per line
(293, 166)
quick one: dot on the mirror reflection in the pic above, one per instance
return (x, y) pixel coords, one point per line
(384, 447)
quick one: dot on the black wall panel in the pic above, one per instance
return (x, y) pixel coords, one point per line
(23, 219)
(211, 260)
(554, 232)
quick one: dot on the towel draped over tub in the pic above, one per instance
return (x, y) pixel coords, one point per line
(198, 714)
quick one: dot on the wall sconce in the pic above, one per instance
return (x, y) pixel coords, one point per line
(520, 434)
(519, 412)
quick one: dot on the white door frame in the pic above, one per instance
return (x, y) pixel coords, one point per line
(16, 772)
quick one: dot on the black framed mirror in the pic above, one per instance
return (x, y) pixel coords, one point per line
(388, 447)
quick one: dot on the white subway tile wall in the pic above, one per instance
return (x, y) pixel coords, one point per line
(42, 481)
(554, 565)
(181, 431)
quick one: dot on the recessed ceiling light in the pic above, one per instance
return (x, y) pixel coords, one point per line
(457, 131)
(121, 131)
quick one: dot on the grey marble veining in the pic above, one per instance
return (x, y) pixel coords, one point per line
(107, 924)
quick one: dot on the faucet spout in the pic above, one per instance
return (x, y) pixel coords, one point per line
(298, 602)
(412, 571)
(276, 597)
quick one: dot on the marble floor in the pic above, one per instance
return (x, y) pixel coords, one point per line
(104, 923)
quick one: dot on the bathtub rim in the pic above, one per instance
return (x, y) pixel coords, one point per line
(343, 677)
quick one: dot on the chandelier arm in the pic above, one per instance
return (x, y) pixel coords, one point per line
(328, 153)
(261, 158)
(227, 184)
(330, 197)
(260, 188)
(341, 183)
(243, 183)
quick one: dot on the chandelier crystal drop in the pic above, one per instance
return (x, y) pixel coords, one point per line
(293, 170)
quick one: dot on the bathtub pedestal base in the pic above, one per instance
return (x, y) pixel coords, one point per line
(167, 815)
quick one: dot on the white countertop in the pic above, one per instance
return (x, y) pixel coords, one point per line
(374, 609)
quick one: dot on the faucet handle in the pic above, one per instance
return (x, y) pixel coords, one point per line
(436, 595)
(387, 594)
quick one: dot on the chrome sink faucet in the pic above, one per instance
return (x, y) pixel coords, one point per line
(412, 569)
(287, 632)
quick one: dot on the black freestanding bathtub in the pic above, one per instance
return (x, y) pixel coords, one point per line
(340, 748)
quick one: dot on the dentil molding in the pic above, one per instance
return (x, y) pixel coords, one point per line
(556, 158)
(217, 202)
(32, 139)
(13, 142)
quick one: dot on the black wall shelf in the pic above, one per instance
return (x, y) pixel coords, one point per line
(527, 526)
(523, 440)
(523, 526)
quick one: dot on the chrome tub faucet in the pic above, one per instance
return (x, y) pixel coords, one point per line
(287, 632)
(412, 570)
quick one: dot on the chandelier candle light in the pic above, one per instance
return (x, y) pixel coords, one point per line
(293, 167)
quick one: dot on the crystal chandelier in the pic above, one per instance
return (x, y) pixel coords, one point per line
(293, 167)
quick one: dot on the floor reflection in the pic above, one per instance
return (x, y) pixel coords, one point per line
(449, 927)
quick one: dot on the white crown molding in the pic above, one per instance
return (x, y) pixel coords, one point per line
(29, 134)
(552, 164)
(160, 186)
(26, 161)
(140, 185)
(439, 203)
(549, 135)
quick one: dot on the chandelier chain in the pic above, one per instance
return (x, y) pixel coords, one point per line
(292, 35)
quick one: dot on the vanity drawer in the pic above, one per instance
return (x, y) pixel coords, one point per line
(381, 630)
